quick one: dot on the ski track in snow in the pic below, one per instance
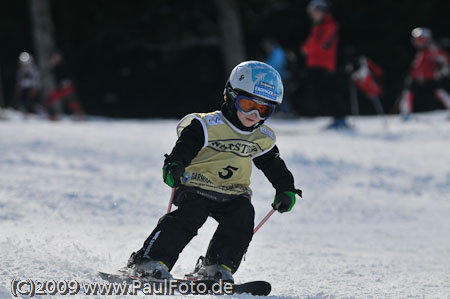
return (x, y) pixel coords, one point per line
(79, 197)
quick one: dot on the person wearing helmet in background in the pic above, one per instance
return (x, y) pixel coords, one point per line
(28, 84)
(429, 67)
(276, 57)
(210, 167)
(320, 50)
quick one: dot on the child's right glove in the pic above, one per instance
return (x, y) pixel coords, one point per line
(285, 201)
(173, 172)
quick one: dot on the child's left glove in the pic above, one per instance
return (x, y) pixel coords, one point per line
(173, 172)
(285, 201)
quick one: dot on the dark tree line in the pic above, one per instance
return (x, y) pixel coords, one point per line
(165, 58)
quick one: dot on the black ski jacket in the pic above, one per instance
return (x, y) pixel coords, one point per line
(192, 139)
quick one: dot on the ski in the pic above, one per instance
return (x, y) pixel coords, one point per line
(150, 286)
(256, 288)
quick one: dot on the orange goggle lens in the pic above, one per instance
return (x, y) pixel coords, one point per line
(247, 105)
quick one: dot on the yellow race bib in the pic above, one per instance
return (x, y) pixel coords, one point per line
(224, 164)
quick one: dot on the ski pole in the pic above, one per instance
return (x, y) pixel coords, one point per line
(169, 208)
(353, 98)
(264, 220)
(379, 109)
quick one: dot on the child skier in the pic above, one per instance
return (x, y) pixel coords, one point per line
(210, 167)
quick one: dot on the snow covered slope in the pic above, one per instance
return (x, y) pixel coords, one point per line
(78, 197)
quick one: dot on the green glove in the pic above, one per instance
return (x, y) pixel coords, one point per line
(173, 173)
(284, 201)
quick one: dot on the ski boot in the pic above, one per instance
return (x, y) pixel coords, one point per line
(338, 124)
(149, 268)
(210, 272)
(406, 117)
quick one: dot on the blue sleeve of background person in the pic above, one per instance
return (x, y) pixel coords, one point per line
(277, 59)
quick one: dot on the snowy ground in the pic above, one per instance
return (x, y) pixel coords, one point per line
(78, 197)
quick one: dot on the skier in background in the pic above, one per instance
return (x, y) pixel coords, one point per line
(28, 85)
(320, 51)
(367, 75)
(210, 167)
(63, 97)
(276, 57)
(429, 67)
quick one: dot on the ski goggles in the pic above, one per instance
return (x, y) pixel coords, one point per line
(248, 106)
(420, 41)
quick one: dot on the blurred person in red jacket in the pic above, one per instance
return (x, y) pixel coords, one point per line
(429, 68)
(320, 51)
(366, 75)
(63, 98)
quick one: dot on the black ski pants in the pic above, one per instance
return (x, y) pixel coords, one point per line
(176, 229)
(322, 93)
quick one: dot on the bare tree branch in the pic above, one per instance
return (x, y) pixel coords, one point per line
(43, 38)
(232, 43)
(183, 44)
